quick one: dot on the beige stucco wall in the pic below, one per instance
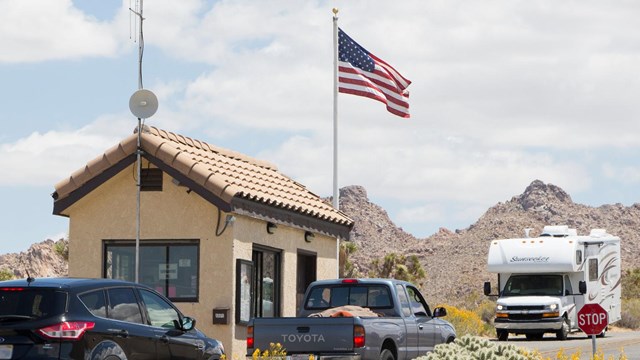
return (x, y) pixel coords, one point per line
(109, 212)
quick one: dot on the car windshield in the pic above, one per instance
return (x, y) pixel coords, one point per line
(24, 303)
(526, 285)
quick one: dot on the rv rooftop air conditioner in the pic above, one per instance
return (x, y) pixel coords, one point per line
(558, 231)
(598, 233)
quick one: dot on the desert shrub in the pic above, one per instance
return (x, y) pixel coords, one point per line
(466, 322)
(630, 314)
(347, 267)
(486, 310)
(399, 267)
(6, 274)
(631, 284)
(62, 248)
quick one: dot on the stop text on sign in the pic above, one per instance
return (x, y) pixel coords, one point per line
(592, 319)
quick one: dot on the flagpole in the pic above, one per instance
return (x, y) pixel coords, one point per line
(336, 203)
(336, 194)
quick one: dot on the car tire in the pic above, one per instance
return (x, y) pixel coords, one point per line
(564, 330)
(108, 351)
(502, 335)
(386, 354)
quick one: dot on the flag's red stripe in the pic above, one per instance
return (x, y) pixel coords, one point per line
(384, 87)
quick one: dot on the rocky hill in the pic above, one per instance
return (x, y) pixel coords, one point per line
(455, 261)
(45, 259)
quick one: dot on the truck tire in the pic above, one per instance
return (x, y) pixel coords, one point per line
(386, 354)
(502, 335)
(564, 330)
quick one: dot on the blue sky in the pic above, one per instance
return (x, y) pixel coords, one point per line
(504, 92)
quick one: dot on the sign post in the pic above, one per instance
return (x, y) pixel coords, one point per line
(593, 320)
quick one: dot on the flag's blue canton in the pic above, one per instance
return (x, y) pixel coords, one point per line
(356, 55)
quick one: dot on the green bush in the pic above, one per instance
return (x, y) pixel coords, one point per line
(6, 274)
(631, 284)
(61, 247)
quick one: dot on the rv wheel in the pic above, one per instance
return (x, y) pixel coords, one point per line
(503, 335)
(564, 330)
(603, 333)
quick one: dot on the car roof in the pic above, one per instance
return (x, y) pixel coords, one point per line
(67, 283)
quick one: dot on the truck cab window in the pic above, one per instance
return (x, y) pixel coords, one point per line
(568, 290)
(404, 300)
(418, 305)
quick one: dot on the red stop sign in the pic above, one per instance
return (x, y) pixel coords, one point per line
(592, 319)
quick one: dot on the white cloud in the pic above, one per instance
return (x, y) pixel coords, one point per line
(43, 159)
(503, 92)
(42, 30)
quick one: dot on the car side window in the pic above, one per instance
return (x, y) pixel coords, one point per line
(123, 305)
(95, 302)
(160, 312)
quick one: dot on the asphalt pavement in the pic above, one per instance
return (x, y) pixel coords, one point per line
(612, 344)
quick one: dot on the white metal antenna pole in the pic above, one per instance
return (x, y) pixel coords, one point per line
(139, 150)
(336, 193)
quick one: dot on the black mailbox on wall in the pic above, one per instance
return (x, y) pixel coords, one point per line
(221, 316)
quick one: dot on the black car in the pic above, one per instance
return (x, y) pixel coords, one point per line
(95, 319)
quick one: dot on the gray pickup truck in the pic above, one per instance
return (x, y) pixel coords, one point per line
(397, 323)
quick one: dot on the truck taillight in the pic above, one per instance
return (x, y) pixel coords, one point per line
(349, 281)
(249, 337)
(358, 336)
(68, 330)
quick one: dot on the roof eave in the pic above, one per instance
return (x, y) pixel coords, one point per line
(291, 218)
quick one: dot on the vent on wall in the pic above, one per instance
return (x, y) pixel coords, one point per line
(151, 180)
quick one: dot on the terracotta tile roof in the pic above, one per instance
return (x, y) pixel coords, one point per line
(226, 174)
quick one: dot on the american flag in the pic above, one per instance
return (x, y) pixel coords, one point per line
(362, 73)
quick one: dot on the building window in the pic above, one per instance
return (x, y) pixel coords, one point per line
(266, 282)
(170, 268)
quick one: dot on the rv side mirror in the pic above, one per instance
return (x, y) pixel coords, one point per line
(487, 288)
(582, 287)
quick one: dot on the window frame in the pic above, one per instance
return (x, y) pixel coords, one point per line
(244, 268)
(166, 245)
(257, 256)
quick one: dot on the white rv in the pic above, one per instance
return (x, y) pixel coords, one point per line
(543, 282)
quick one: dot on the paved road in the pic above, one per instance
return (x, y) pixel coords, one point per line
(611, 344)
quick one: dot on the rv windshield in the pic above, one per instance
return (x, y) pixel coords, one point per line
(534, 284)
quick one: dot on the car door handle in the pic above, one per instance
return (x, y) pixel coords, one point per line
(420, 327)
(164, 339)
(119, 332)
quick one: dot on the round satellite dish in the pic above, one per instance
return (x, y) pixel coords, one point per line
(143, 104)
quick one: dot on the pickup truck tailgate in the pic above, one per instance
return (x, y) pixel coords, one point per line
(300, 335)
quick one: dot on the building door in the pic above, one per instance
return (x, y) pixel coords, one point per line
(266, 282)
(306, 274)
